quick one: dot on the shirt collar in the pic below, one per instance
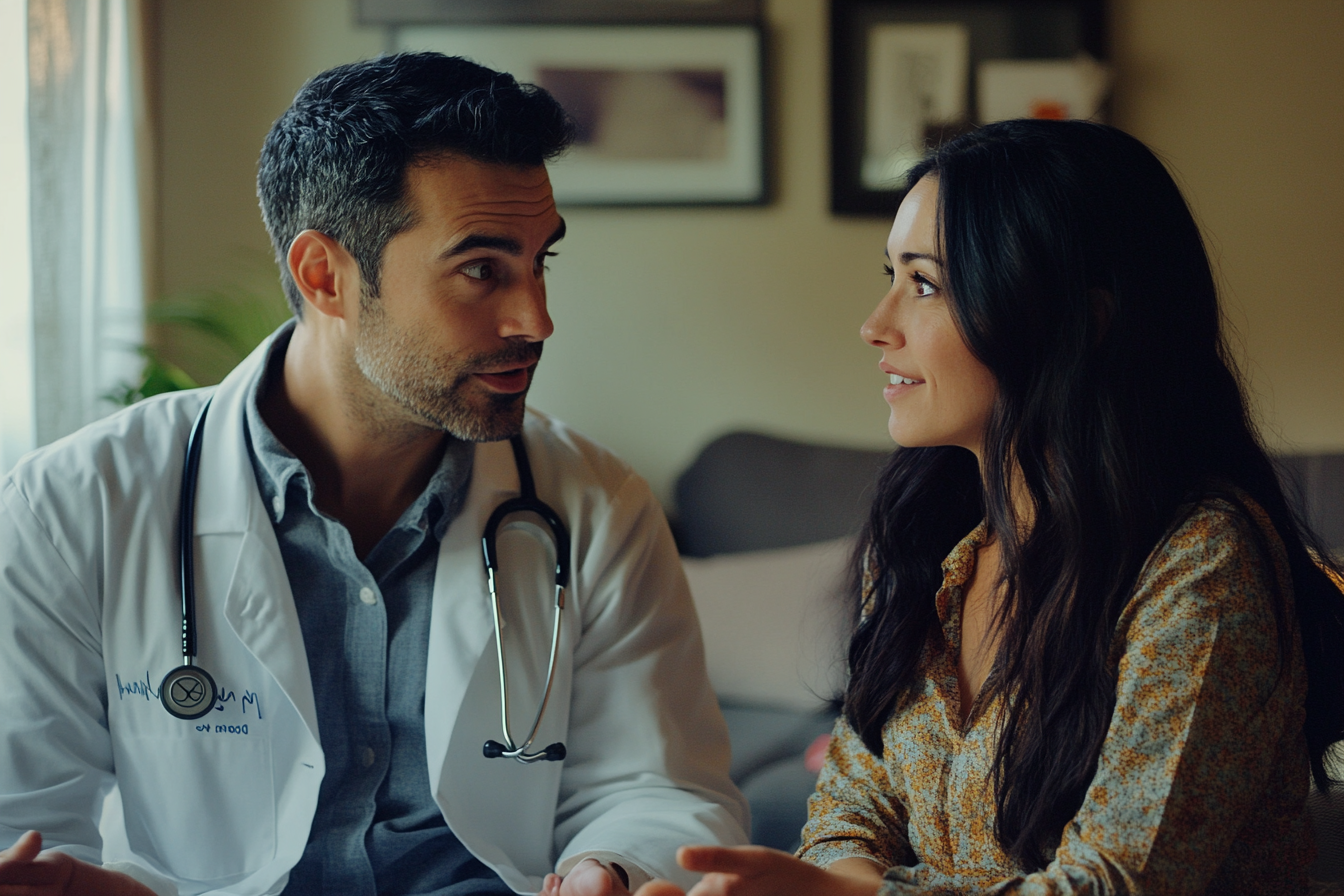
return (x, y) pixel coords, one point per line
(277, 468)
(960, 562)
(957, 569)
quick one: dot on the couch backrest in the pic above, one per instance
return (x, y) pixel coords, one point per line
(1315, 482)
(749, 492)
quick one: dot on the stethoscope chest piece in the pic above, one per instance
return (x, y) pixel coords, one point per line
(188, 692)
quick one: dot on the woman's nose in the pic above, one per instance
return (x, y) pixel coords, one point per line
(881, 328)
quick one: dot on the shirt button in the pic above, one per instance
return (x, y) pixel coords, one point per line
(367, 595)
(366, 758)
(278, 506)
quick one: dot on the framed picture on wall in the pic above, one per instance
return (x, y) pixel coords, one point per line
(666, 115)
(556, 12)
(908, 74)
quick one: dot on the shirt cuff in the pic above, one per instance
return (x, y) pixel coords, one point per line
(827, 851)
(638, 876)
(161, 886)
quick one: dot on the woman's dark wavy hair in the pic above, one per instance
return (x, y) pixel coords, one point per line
(1077, 275)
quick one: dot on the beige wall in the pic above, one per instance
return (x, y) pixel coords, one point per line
(1245, 100)
(676, 325)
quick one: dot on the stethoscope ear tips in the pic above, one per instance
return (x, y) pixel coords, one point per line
(188, 692)
(493, 749)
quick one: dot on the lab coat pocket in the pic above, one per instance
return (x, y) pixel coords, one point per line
(202, 806)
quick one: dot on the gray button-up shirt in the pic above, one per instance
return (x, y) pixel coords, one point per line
(377, 829)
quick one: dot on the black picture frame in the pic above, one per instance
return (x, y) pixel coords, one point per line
(997, 29)
(557, 12)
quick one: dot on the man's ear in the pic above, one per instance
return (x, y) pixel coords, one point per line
(326, 274)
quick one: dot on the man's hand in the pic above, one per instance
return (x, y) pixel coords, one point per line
(757, 871)
(588, 878)
(24, 871)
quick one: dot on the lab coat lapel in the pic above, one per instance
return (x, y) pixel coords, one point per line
(460, 623)
(240, 571)
(259, 607)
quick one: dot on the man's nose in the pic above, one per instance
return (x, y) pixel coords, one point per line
(525, 314)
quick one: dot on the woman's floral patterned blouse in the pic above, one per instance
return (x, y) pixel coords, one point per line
(1201, 783)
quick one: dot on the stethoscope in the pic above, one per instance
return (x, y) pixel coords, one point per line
(189, 692)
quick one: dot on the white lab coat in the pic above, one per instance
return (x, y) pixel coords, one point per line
(90, 621)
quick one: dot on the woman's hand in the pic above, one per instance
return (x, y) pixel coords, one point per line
(757, 871)
(657, 887)
(25, 872)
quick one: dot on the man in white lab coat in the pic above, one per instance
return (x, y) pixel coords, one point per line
(346, 475)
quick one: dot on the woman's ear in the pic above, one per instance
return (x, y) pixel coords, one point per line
(1103, 311)
(326, 275)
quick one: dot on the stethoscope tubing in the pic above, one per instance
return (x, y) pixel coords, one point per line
(512, 750)
(188, 692)
(197, 688)
(526, 502)
(186, 517)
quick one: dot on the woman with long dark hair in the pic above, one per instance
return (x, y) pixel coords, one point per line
(1097, 651)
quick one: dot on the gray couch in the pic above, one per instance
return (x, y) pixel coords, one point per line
(747, 492)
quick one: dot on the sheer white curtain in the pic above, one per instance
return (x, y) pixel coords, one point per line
(16, 350)
(85, 297)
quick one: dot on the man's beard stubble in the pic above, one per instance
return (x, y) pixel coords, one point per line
(400, 364)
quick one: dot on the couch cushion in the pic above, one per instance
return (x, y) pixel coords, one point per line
(774, 623)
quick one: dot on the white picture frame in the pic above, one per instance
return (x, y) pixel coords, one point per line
(1041, 88)
(731, 171)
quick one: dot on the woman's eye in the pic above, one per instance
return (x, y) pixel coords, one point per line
(890, 272)
(481, 270)
(922, 286)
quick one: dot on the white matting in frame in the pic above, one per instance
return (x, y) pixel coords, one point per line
(666, 114)
(917, 77)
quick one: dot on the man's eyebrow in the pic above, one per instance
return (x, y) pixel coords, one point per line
(907, 257)
(506, 244)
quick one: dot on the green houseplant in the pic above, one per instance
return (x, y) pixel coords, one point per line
(207, 331)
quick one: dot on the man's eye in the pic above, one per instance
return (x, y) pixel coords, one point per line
(481, 270)
(922, 286)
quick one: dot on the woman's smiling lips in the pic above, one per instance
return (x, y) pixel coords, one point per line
(513, 380)
(899, 382)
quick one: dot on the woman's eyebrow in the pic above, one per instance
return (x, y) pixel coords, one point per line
(907, 257)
